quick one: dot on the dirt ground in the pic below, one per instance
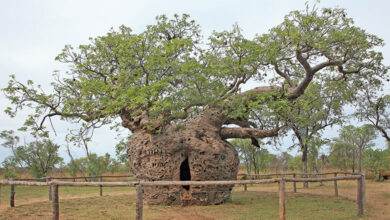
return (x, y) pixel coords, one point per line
(377, 196)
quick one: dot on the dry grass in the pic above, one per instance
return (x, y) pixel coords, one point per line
(259, 202)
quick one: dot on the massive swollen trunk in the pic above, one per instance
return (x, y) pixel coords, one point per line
(193, 150)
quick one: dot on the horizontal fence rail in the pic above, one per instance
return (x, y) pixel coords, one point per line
(294, 175)
(360, 177)
(70, 178)
(308, 174)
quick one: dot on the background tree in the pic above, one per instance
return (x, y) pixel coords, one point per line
(377, 161)
(254, 158)
(316, 159)
(360, 137)
(10, 168)
(343, 155)
(39, 156)
(313, 112)
(375, 110)
(11, 141)
(242, 146)
(121, 150)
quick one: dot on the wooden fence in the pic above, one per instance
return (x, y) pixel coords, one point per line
(50, 178)
(294, 175)
(139, 189)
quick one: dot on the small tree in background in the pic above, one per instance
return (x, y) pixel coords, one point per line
(343, 155)
(377, 162)
(248, 154)
(39, 157)
(361, 137)
(10, 168)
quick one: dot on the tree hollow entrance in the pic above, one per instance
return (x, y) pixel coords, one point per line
(190, 154)
(185, 174)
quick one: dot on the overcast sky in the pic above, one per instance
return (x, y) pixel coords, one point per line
(34, 32)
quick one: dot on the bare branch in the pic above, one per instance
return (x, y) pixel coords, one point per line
(248, 133)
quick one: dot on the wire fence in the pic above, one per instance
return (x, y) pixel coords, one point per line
(54, 185)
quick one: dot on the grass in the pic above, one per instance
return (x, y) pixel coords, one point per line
(26, 193)
(119, 203)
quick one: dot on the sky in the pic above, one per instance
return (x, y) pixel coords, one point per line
(34, 32)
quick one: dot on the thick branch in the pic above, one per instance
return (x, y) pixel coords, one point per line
(295, 92)
(142, 121)
(284, 75)
(262, 89)
(247, 133)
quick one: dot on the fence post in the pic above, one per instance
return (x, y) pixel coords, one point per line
(50, 189)
(12, 198)
(0, 194)
(305, 184)
(245, 187)
(101, 187)
(55, 201)
(361, 191)
(294, 183)
(139, 202)
(364, 188)
(282, 199)
(336, 190)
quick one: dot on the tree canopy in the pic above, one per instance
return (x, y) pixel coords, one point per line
(169, 74)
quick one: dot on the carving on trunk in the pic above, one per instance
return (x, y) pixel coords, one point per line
(195, 152)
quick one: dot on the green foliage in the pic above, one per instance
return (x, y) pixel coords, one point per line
(256, 159)
(260, 159)
(39, 156)
(121, 150)
(361, 137)
(377, 161)
(357, 140)
(169, 73)
(342, 155)
(10, 168)
(94, 165)
(295, 163)
(375, 109)
(75, 165)
(97, 165)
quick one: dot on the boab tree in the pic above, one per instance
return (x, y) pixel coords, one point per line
(177, 93)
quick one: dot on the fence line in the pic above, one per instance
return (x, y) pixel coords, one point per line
(302, 174)
(50, 178)
(309, 174)
(139, 189)
(74, 178)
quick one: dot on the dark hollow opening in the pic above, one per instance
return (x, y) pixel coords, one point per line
(185, 173)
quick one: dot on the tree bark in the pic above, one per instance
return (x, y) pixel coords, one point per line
(353, 161)
(360, 159)
(193, 150)
(304, 166)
